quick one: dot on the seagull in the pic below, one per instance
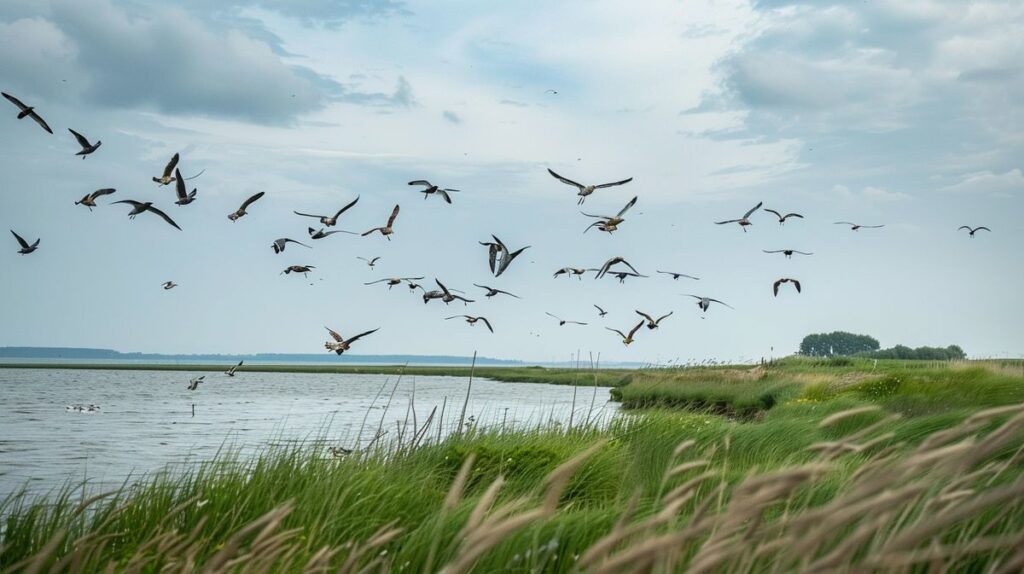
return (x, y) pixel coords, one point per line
(430, 189)
(610, 223)
(141, 207)
(472, 320)
(370, 262)
(973, 231)
(743, 221)
(184, 197)
(328, 221)
(855, 227)
(613, 261)
(167, 178)
(775, 286)
(563, 321)
(705, 302)
(340, 344)
(27, 111)
(89, 200)
(304, 269)
(787, 252)
(621, 275)
(570, 271)
(627, 339)
(169, 285)
(585, 190)
(242, 210)
(446, 295)
(193, 383)
(783, 218)
(231, 372)
(678, 275)
(499, 257)
(600, 312)
(279, 244)
(25, 247)
(320, 234)
(392, 281)
(387, 230)
(87, 148)
(653, 323)
(491, 291)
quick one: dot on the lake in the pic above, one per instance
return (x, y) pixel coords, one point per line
(148, 419)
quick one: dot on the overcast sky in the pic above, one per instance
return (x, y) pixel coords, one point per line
(906, 113)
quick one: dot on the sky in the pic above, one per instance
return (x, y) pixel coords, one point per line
(902, 113)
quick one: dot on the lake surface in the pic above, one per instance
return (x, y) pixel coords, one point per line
(146, 422)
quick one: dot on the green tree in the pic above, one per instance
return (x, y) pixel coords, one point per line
(837, 343)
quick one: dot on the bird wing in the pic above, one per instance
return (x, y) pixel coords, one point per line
(130, 202)
(645, 316)
(346, 208)
(101, 192)
(507, 293)
(663, 316)
(444, 194)
(374, 260)
(792, 215)
(171, 165)
(251, 199)
(287, 240)
(635, 329)
(421, 182)
(411, 278)
(81, 139)
(775, 287)
(457, 317)
(553, 316)
(720, 302)
(482, 286)
(14, 101)
(309, 214)
(338, 231)
(365, 233)
(803, 252)
(394, 215)
(631, 203)
(565, 179)
(576, 322)
(39, 120)
(964, 227)
(777, 214)
(21, 241)
(441, 285)
(613, 184)
(796, 284)
(872, 226)
(179, 185)
(334, 334)
(844, 223)
(774, 250)
(360, 336)
(726, 221)
(507, 260)
(378, 281)
(486, 322)
(621, 334)
(600, 310)
(980, 228)
(753, 209)
(164, 216)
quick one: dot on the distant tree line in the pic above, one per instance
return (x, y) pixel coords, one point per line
(841, 343)
(950, 353)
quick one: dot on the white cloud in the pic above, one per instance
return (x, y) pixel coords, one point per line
(870, 194)
(987, 182)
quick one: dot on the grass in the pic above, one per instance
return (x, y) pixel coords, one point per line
(888, 467)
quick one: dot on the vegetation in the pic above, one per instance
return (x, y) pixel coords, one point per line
(950, 353)
(859, 465)
(837, 343)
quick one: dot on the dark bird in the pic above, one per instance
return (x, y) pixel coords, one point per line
(570, 271)
(622, 275)
(678, 275)
(585, 190)
(613, 261)
(27, 111)
(627, 339)
(610, 223)
(184, 196)
(705, 302)
(89, 200)
(431, 189)
(562, 321)
(168, 285)
(392, 281)
(245, 205)
(653, 323)
(600, 312)
(472, 320)
(371, 262)
(279, 244)
(783, 218)
(231, 372)
(743, 221)
(775, 286)
(25, 247)
(855, 226)
(787, 252)
(320, 234)
(304, 269)
(975, 230)
(446, 295)
(339, 345)
(491, 291)
(329, 221)
(141, 207)
(87, 148)
(498, 255)
(193, 383)
(167, 176)
(388, 229)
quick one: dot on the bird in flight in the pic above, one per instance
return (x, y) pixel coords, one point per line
(388, 229)
(339, 345)
(193, 383)
(676, 276)
(371, 262)
(600, 312)
(653, 323)
(320, 233)
(775, 286)
(627, 339)
(279, 244)
(743, 221)
(141, 207)
(614, 261)
(622, 275)
(610, 223)
(856, 226)
(585, 190)
(498, 255)
(446, 295)
(167, 285)
(783, 218)
(570, 271)
(167, 178)
(975, 230)
(472, 320)
(27, 111)
(89, 200)
(25, 247)
(431, 189)
(304, 269)
(392, 281)
(330, 221)
(562, 321)
(787, 252)
(231, 372)
(87, 148)
(705, 302)
(491, 291)
(241, 212)
(184, 197)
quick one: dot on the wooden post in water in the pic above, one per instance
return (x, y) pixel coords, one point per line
(193, 410)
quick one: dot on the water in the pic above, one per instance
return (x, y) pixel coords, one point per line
(145, 421)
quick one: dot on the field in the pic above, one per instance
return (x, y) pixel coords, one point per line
(817, 466)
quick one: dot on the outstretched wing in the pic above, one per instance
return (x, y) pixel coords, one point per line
(599, 309)
(576, 322)
(565, 179)
(626, 263)
(980, 228)
(635, 329)
(441, 285)
(39, 120)
(308, 214)
(552, 316)
(621, 334)
(844, 223)
(631, 203)
(796, 284)
(346, 208)
(129, 202)
(378, 281)
(726, 221)
(803, 252)
(753, 209)
(252, 199)
(361, 335)
(164, 216)
(788, 215)
(645, 316)
(507, 260)
(486, 322)
(663, 316)
(444, 194)
(15, 101)
(613, 184)
(179, 185)
(774, 250)
(287, 240)
(171, 165)
(334, 334)
(777, 214)
(719, 302)
(101, 192)
(394, 216)
(421, 182)
(507, 293)
(21, 240)
(81, 139)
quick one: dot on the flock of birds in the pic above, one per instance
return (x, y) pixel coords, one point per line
(499, 256)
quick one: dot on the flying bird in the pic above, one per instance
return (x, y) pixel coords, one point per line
(330, 221)
(184, 196)
(245, 205)
(676, 276)
(491, 291)
(231, 372)
(141, 207)
(600, 312)
(167, 178)
(371, 262)
(975, 230)
(743, 221)
(339, 345)
(783, 218)
(614, 261)
(498, 255)
(431, 189)
(304, 269)
(855, 226)
(167, 285)
(87, 148)
(193, 383)
(472, 320)
(585, 190)
(610, 223)
(279, 244)
(562, 321)
(320, 233)
(705, 302)
(622, 275)
(25, 247)
(89, 200)
(28, 111)
(775, 286)
(392, 281)
(446, 295)
(388, 229)
(627, 339)
(653, 323)
(570, 271)
(787, 252)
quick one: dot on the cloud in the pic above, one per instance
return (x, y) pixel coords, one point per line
(327, 13)
(870, 194)
(987, 182)
(451, 117)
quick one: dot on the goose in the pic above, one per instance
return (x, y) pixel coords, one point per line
(320, 234)
(600, 312)
(371, 262)
(585, 190)
(328, 221)
(89, 200)
(855, 226)
(705, 302)
(392, 281)
(167, 178)
(28, 111)
(25, 247)
(231, 372)
(279, 244)
(446, 294)
(167, 285)
(184, 196)
(570, 271)
(627, 339)
(787, 252)
(193, 383)
(653, 323)
(610, 223)
(472, 320)
(491, 291)
(783, 218)
(87, 148)
(142, 207)
(743, 221)
(304, 269)
(562, 321)
(241, 212)
(775, 286)
(388, 229)
(975, 230)
(676, 276)
(622, 275)
(339, 345)
(430, 189)
(613, 261)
